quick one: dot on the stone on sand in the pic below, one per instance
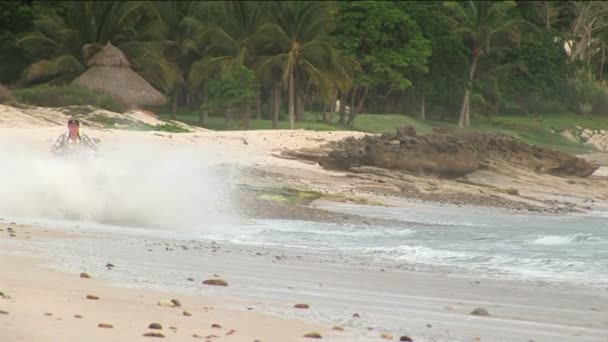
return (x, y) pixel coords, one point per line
(187, 313)
(215, 282)
(313, 335)
(480, 312)
(156, 326)
(154, 334)
(406, 339)
(215, 325)
(176, 302)
(2, 312)
(77, 316)
(301, 306)
(338, 328)
(92, 297)
(105, 325)
(85, 275)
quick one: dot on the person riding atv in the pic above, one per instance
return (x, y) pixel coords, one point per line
(73, 142)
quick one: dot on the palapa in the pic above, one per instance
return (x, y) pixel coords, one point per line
(110, 73)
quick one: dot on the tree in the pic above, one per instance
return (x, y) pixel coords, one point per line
(388, 44)
(233, 89)
(60, 45)
(297, 41)
(480, 23)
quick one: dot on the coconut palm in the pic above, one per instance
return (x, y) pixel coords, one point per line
(297, 41)
(62, 45)
(480, 23)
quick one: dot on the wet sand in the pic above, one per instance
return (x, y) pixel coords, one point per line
(398, 302)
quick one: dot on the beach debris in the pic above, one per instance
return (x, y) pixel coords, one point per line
(187, 313)
(190, 279)
(105, 325)
(77, 316)
(386, 336)
(337, 328)
(215, 325)
(156, 326)
(301, 306)
(85, 275)
(166, 303)
(110, 265)
(406, 339)
(480, 312)
(154, 334)
(92, 297)
(176, 302)
(356, 315)
(313, 335)
(2, 312)
(215, 282)
(48, 314)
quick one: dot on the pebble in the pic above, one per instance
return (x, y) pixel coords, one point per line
(187, 313)
(406, 339)
(154, 334)
(196, 336)
(77, 316)
(2, 312)
(85, 275)
(92, 297)
(190, 279)
(167, 303)
(156, 326)
(337, 328)
(313, 335)
(176, 302)
(356, 315)
(109, 265)
(105, 325)
(480, 312)
(301, 306)
(215, 325)
(215, 282)
(48, 314)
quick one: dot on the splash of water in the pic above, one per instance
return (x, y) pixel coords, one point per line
(174, 187)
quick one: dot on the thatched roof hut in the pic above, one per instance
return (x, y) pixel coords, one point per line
(110, 72)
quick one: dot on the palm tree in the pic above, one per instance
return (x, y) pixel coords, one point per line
(479, 23)
(182, 26)
(62, 45)
(230, 42)
(297, 41)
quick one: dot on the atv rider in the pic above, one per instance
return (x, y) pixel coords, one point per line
(73, 141)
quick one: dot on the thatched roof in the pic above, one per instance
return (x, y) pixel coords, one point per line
(110, 73)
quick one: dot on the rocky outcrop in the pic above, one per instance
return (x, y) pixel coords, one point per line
(446, 153)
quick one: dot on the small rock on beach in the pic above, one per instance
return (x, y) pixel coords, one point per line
(215, 325)
(154, 334)
(176, 302)
(215, 282)
(157, 326)
(92, 297)
(480, 312)
(187, 313)
(406, 339)
(313, 335)
(105, 325)
(301, 306)
(85, 275)
(2, 312)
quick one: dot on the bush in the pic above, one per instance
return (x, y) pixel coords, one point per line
(5, 94)
(69, 95)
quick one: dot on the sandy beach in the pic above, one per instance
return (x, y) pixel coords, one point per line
(164, 246)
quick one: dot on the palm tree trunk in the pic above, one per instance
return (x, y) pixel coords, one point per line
(229, 120)
(247, 114)
(174, 105)
(342, 112)
(464, 120)
(602, 61)
(423, 109)
(276, 105)
(291, 101)
(204, 119)
(258, 104)
(353, 107)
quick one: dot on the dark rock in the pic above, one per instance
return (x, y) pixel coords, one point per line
(301, 306)
(356, 315)
(215, 282)
(156, 326)
(190, 279)
(215, 325)
(105, 325)
(176, 302)
(85, 275)
(92, 297)
(406, 339)
(2, 312)
(480, 312)
(78, 316)
(108, 265)
(313, 335)
(154, 334)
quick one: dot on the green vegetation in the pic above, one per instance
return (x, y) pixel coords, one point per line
(528, 68)
(68, 95)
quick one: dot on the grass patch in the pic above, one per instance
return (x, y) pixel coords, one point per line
(68, 95)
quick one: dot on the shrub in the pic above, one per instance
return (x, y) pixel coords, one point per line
(5, 94)
(69, 95)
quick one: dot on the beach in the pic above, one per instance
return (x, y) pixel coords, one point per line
(454, 260)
